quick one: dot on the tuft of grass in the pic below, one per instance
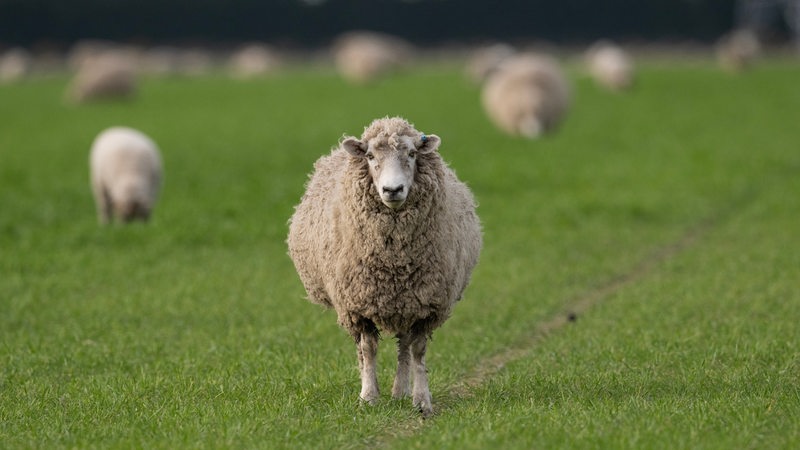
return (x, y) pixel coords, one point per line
(192, 330)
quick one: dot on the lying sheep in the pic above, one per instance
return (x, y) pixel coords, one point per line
(387, 236)
(528, 95)
(610, 66)
(362, 57)
(125, 170)
(110, 75)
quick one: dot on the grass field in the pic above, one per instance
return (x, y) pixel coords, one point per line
(666, 220)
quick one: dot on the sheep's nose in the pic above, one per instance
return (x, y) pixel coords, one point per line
(393, 190)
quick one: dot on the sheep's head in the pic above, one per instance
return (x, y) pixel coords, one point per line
(392, 161)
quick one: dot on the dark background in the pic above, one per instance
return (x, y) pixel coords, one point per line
(295, 22)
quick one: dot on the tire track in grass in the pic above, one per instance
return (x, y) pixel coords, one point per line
(578, 306)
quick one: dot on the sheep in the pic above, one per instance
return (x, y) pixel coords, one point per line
(387, 236)
(485, 61)
(362, 57)
(15, 64)
(252, 60)
(610, 66)
(528, 95)
(738, 50)
(125, 171)
(110, 75)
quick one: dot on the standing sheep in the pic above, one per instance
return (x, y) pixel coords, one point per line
(362, 57)
(610, 65)
(125, 168)
(528, 95)
(110, 75)
(387, 236)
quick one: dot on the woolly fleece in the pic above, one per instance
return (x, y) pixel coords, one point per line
(395, 269)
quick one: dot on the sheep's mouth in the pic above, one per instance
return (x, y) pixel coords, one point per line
(393, 202)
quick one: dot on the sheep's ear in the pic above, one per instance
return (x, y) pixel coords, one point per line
(428, 143)
(354, 147)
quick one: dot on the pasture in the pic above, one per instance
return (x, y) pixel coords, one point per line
(664, 221)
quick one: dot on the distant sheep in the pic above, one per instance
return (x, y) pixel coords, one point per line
(738, 50)
(252, 60)
(110, 75)
(125, 171)
(486, 60)
(363, 57)
(387, 236)
(610, 66)
(527, 96)
(15, 64)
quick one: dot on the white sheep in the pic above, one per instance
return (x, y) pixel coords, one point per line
(362, 57)
(387, 236)
(485, 60)
(737, 50)
(528, 95)
(125, 171)
(15, 64)
(252, 60)
(110, 75)
(610, 66)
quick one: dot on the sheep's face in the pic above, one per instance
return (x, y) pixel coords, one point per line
(392, 162)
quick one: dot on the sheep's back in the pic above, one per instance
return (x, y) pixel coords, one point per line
(121, 153)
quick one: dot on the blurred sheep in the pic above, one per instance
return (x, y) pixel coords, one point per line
(362, 57)
(737, 50)
(527, 96)
(109, 75)
(125, 172)
(485, 61)
(15, 64)
(610, 65)
(252, 60)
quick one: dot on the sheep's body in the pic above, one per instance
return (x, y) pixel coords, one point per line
(610, 66)
(252, 60)
(528, 95)
(15, 64)
(125, 168)
(737, 50)
(362, 57)
(110, 75)
(397, 269)
(486, 60)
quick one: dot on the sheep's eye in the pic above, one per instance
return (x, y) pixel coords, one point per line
(370, 156)
(412, 154)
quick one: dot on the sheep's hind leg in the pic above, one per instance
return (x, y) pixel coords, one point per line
(401, 387)
(367, 345)
(421, 394)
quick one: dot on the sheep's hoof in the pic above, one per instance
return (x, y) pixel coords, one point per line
(371, 399)
(424, 405)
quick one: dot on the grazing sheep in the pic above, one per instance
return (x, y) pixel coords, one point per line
(737, 50)
(110, 75)
(486, 60)
(387, 236)
(528, 95)
(252, 60)
(610, 66)
(362, 57)
(125, 168)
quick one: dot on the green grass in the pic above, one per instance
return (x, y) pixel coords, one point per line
(192, 331)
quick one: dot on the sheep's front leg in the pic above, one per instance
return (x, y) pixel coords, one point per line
(421, 394)
(401, 387)
(367, 352)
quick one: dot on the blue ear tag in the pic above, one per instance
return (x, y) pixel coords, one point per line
(424, 139)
